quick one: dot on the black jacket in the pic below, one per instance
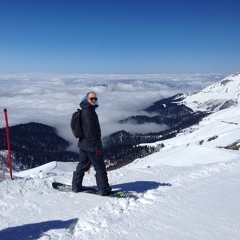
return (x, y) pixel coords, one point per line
(91, 128)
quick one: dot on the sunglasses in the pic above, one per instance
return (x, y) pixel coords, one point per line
(93, 99)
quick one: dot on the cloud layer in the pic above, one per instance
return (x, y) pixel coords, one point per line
(51, 99)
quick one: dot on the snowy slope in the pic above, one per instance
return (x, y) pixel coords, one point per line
(217, 96)
(188, 190)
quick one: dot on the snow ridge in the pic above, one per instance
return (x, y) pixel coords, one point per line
(217, 96)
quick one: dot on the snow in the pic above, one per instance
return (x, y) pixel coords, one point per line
(187, 190)
(215, 95)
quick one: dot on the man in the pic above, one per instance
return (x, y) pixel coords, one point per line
(90, 148)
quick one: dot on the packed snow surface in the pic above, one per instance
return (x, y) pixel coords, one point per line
(188, 190)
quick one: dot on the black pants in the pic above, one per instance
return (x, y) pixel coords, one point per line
(86, 159)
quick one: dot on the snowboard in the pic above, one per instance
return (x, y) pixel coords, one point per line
(91, 190)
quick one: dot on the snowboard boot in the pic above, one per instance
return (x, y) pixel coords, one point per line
(104, 192)
(76, 189)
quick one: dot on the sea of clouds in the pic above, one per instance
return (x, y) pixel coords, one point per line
(52, 98)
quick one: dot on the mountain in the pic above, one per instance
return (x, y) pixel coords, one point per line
(170, 112)
(34, 144)
(181, 108)
(176, 113)
(221, 95)
(187, 190)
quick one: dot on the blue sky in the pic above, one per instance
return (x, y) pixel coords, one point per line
(120, 36)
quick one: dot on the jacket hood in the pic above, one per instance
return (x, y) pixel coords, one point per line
(85, 104)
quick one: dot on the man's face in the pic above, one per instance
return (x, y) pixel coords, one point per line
(92, 98)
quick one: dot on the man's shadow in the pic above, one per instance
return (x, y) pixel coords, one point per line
(140, 186)
(34, 231)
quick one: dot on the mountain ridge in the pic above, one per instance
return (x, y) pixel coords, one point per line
(123, 147)
(215, 97)
(178, 112)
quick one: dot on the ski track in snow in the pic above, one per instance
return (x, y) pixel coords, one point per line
(175, 209)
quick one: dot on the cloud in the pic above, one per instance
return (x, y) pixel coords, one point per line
(51, 99)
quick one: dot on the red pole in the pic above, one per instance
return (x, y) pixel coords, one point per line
(8, 142)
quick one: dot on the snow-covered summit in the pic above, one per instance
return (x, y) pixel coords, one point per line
(218, 96)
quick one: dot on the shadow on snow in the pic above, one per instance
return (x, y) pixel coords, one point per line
(34, 231)
(140, 186)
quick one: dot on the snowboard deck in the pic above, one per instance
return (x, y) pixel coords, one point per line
(91, 190)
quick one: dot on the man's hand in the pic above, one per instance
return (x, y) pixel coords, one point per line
(98, 152)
